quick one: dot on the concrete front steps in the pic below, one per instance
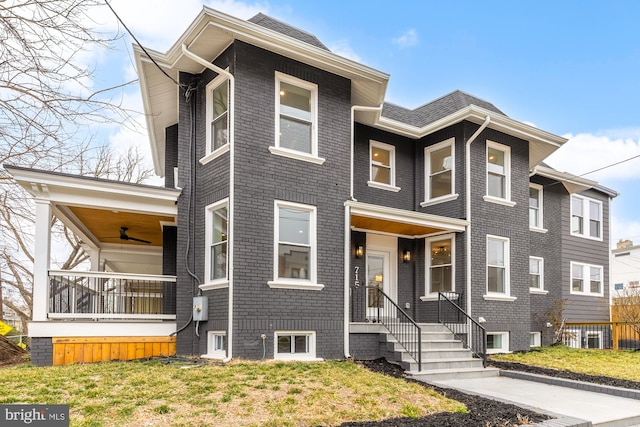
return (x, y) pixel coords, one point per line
(443, 357)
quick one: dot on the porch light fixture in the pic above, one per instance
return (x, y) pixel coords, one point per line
(406, 255)
(359, 251)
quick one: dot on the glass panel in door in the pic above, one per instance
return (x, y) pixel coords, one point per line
(377, 277)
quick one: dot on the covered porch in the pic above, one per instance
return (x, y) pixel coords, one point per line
(119, 304)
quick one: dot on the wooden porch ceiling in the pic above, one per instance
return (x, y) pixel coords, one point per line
(105, 225)
(392, 227)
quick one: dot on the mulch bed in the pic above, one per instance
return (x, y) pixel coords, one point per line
(481, 411)
(10, 353)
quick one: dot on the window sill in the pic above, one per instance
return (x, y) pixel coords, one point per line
(597, 239)
(297, 155)
(216, 355)
(299, 358)
(496, 297)
(538, 291)
(538, 230)
(219, 284)
(380, 186)
(306, 286)
(499, 201)
(215, 154)
(438, 200)
(587, 294)
(434, 296)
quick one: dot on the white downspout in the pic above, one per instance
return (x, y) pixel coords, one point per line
(468, 206)
(230, 220)
(347, 226)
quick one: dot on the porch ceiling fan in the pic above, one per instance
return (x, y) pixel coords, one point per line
(125, 236)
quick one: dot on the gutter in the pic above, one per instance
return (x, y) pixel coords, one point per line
(230, 220)
(347, 226)
(468, 205)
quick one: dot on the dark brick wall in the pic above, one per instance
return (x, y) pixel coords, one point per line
(405, 163)
(489, 218)
(548, 246)
(41, 352)
(171, 155)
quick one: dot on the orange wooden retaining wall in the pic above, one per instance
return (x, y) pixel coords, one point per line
(102, 349)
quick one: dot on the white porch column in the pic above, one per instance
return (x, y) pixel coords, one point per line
(41, 261)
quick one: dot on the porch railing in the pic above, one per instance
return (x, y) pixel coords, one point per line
(471, 333)
(103, 295)
(380, 308)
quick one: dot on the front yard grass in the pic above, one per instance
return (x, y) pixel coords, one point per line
(241, 393)
(609, 363)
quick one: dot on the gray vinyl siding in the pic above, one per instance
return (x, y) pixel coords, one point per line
(586, 308)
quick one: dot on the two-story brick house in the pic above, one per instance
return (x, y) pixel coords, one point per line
(293, 192)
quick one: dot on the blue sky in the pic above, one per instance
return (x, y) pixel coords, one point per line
(569, 67)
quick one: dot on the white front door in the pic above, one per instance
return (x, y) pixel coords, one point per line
(378, 276)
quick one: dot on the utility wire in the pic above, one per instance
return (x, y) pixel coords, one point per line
(142, 47)
(559, 181)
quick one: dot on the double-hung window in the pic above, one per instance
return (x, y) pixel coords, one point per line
(295, 246)
(536, 274)
(382, 166)
(498, 282)
(535, 207)
(440, 172)
(586, 217)
(217, 237)
(217, 118)
(440, 262)
(296, 119)
(498, 173)
(586, 279)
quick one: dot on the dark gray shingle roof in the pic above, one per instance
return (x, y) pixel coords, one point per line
(435, 110)
(286, 29)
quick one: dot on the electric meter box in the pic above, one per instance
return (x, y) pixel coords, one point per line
(200, 309)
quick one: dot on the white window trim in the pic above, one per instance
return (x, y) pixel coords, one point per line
(499, 296)
(541, 289)
(540, 228)
(429, 295)
(211, 352)
(294, 154)
(285, 283)
(214, 154)
(427, 173)
(505, 343)
(217, 283)
(586, 276)
(310, 356)
(507, 168)
(392, 166)
(537, 340)
(587, 217)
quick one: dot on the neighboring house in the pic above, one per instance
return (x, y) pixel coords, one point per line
(625, 268)
(292, 192)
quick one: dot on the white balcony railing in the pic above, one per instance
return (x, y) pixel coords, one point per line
(103, 295)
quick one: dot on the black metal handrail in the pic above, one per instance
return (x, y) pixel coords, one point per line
(386, 312)
(471, 333)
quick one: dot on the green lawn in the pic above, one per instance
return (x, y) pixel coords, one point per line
(618, 364)
(240, 393)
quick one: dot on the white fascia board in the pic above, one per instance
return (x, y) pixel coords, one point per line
(158, 164)
(573, 184)
(404, 216)
(101, 329)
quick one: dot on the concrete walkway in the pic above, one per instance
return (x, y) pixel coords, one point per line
(572, 403)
